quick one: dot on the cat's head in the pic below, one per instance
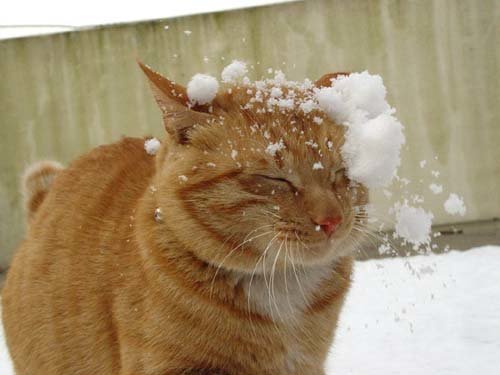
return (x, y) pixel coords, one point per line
(248, 180)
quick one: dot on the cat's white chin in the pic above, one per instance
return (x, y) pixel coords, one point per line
(326, 251)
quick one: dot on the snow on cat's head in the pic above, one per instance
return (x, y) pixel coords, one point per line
(258, 168)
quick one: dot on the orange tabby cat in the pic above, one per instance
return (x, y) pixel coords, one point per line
(216, 255)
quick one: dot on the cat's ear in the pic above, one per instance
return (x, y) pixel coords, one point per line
(326, 80)
(178, 117)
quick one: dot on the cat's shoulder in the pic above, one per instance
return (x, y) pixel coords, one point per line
(126, 154)
(123, 165)
(126, 150)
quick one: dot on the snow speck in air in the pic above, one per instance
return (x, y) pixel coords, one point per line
(202, 88)
(166, 27)
(234, 153)
(273, 148)
(234, 71)
(188, 32)
(423, 163)
(152, 146)
(454, 205)
(317, 166)
(183, 178)
(374, 136)
(414, 224)
(436, 189)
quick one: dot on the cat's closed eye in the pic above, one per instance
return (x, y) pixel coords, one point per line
(274, 179)
(264, 184)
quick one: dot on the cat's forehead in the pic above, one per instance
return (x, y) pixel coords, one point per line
(289, 137)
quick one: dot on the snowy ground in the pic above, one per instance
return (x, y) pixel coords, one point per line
(421, 315)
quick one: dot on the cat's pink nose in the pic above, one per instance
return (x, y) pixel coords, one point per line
(330, 224)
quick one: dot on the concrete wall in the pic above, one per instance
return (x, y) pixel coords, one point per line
(63, 94)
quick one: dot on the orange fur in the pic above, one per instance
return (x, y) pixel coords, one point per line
(197, 260)
(36, 183)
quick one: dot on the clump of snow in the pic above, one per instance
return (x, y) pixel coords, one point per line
(413, 224)
(317, 166)
(307, 106)
(234, 71)
(371, 150)
(354, 98)
(273, 148)
(202, 89)
(318, 120)
(454, 205)
(152, 146)
(276, 92)
(158, 216)
(374, 136)
(436, 189)
(183, 178)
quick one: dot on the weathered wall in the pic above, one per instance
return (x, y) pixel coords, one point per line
(60, 95)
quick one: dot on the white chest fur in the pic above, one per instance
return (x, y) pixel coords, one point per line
(284, 296)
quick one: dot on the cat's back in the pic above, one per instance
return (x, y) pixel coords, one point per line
(76, 245)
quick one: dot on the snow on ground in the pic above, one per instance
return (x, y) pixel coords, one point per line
(422, 315)
(5, 362)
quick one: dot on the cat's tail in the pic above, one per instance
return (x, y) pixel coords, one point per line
(36, 182)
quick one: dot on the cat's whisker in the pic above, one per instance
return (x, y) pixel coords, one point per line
(261, 258)
(274, 214)
(287, 292)
(295, 273)
(231, 252)
(273, 273)
(376, 238)
(285, 276)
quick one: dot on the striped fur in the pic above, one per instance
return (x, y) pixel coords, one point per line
(223, 282)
